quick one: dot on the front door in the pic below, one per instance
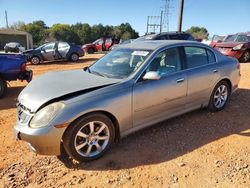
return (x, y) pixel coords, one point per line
(155, 100)
(48, 51)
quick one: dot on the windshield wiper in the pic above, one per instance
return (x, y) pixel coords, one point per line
(98, 73)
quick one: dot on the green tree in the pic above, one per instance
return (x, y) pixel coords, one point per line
(64, 32)
(37, 29)
(198, 32)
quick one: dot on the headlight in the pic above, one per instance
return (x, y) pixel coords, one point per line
(238, 47)
(46, 114)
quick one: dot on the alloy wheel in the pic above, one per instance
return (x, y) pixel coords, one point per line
(220, 96)
(92, 139)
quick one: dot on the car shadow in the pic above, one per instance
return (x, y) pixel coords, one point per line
(9, 100)
(175, 137)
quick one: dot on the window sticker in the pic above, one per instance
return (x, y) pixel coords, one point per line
(140, 53)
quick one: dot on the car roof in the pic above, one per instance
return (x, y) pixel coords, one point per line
(156, 44)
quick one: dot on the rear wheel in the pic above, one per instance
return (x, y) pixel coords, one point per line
(245, 57)
(89, 137)
(3, 87)
(74, 57)
(35, 60)
(219, 97)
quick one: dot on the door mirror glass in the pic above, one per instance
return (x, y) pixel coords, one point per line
(151, 75)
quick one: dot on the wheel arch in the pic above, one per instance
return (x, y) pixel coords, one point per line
(229, 83)
(106, 113)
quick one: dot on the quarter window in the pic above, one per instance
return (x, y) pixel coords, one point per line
(166, 62)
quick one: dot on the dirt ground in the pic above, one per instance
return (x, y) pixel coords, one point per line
(198, 149)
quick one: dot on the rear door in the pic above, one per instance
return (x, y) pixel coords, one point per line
(63, 49)
(203, 72)
(155, 100)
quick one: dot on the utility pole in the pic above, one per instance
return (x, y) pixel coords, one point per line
(161, 22)
(6, 19)
(180, 15)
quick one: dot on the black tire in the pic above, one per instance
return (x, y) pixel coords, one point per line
(213, 100)
(70, 138)
(3, 87)
(245, 57)
(91, 51)
(35, 60)
(74, 57)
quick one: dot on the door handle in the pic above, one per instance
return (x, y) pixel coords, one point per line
(180, 80)
(215, 71)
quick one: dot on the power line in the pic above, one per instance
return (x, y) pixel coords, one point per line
(166, 12)
(154, 23)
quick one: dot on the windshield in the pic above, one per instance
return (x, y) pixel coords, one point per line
(119, 63)
(237, 38)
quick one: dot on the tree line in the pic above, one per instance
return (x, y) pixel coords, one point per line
(79, 33)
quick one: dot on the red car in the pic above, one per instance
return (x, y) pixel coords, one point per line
(216, 39)
(102, 44)
(237, 46)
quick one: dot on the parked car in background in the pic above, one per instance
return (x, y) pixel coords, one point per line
(13, 47)
(121, 43)
(54, 51)
(132, 87)
(102, 44)
(216, 39)
(12, 67)
(167, 36)
(237, 46)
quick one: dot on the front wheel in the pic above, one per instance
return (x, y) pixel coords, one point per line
(35, 60)
(89, 137)
(3, 87)
(219, 97)
(245, 57)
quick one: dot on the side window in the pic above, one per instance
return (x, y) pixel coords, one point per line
(162, 37)
(166, 62)
(62, 45)
(211, 56)
(49, 46)
(195, 56)
(175, 37)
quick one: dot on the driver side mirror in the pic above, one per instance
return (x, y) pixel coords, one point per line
(43, 50)
(152, 75)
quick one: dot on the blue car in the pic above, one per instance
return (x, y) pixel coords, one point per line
(54, 51)
(13, 67)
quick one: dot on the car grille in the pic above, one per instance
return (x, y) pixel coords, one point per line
(23, 114)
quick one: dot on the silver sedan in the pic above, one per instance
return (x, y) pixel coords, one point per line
(82, 112)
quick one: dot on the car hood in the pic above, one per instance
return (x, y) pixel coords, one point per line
(28, 51)
(228, 44)
(54, 85)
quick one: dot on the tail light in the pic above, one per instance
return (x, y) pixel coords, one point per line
(23, 67)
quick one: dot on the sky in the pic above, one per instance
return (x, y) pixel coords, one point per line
(217, 16)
